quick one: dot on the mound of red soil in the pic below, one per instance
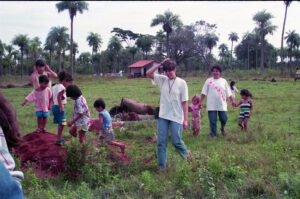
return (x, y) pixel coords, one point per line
(41, 150)
(38, 150)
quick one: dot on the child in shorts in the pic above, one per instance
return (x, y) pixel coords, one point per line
(42, 98)
(107, 132)
(81, 114)
(246, 108)
(59, 101)
(196, 116)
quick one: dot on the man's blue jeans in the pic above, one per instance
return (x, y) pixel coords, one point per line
(162, 140)
(212, 115)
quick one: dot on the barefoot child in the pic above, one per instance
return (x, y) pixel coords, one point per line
(59, 101)
(38, 70)
(81, 115)
(246, 108)
(107, 132)
(42, 98)
(196, 116)
(9, 138)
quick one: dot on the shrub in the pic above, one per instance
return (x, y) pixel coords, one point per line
(150, 184)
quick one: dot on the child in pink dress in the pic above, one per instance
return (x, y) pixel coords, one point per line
(42, 98)
(196, 116)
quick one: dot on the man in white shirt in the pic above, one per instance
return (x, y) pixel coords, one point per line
(217, 91)
(173, 110)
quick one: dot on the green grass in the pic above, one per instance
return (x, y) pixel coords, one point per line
(262, 163)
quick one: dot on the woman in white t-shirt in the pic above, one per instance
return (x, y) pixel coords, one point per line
(173, 111)
(217, 91)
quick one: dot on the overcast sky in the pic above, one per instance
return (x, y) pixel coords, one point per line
(37, 18)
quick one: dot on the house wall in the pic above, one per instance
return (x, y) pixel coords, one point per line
(140, 71)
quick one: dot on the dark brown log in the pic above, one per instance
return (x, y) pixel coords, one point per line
(129, 105)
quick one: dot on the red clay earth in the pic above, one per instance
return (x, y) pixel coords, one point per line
(39, 150)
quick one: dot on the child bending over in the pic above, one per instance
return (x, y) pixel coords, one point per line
(81, 114)
(196, 116)
(246, 108)
(107, 132)
(59, 101)
(42, 98)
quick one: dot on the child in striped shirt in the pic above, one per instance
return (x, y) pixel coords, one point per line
(246, 108)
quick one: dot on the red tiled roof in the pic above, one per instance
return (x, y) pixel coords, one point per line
(141, 63)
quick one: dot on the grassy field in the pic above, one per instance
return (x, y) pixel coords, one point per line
(262, 163)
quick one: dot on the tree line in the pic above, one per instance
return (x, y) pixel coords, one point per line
(189, 45)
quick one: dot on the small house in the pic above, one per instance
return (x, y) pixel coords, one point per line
(139, 68)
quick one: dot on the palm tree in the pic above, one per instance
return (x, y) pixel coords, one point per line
(2, 48)
(115, 46)
(293, 42)
(264, 27)
(95, 42)
(287, 4)
(248, 40)
(169, 21)
(210, 41)
(74, 52)
(35, 46)
(223, 49)
(9, 49)
(50, 46)
(61, 38)
(21, 41)
(16, 56)
(73, 7)
(232, 37)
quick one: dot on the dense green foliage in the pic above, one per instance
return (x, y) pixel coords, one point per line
(262, 163)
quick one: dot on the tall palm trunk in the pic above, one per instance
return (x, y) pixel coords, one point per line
(248, 57)
(9, 65)
(282, 34)
(1, 66)
(22, 53)
(256, 58)
(50, 57)
(231, 55)
(168, 34)
(27, 63)
(74, 63)
(71, 47)
(92, 61)
(63, 59)
(262, 54)
(59, 60)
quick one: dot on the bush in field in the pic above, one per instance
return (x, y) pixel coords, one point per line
(182, 179)
(87, 162)
(206, 183)
(151, 185)
(215, 165)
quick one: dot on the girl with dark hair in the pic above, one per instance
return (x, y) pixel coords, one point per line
(39, 69)
(42, 98)
(246, 108)
(217, 91)
(9, 138)
(81, 114)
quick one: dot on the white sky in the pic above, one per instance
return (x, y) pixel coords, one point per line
(37, 18)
